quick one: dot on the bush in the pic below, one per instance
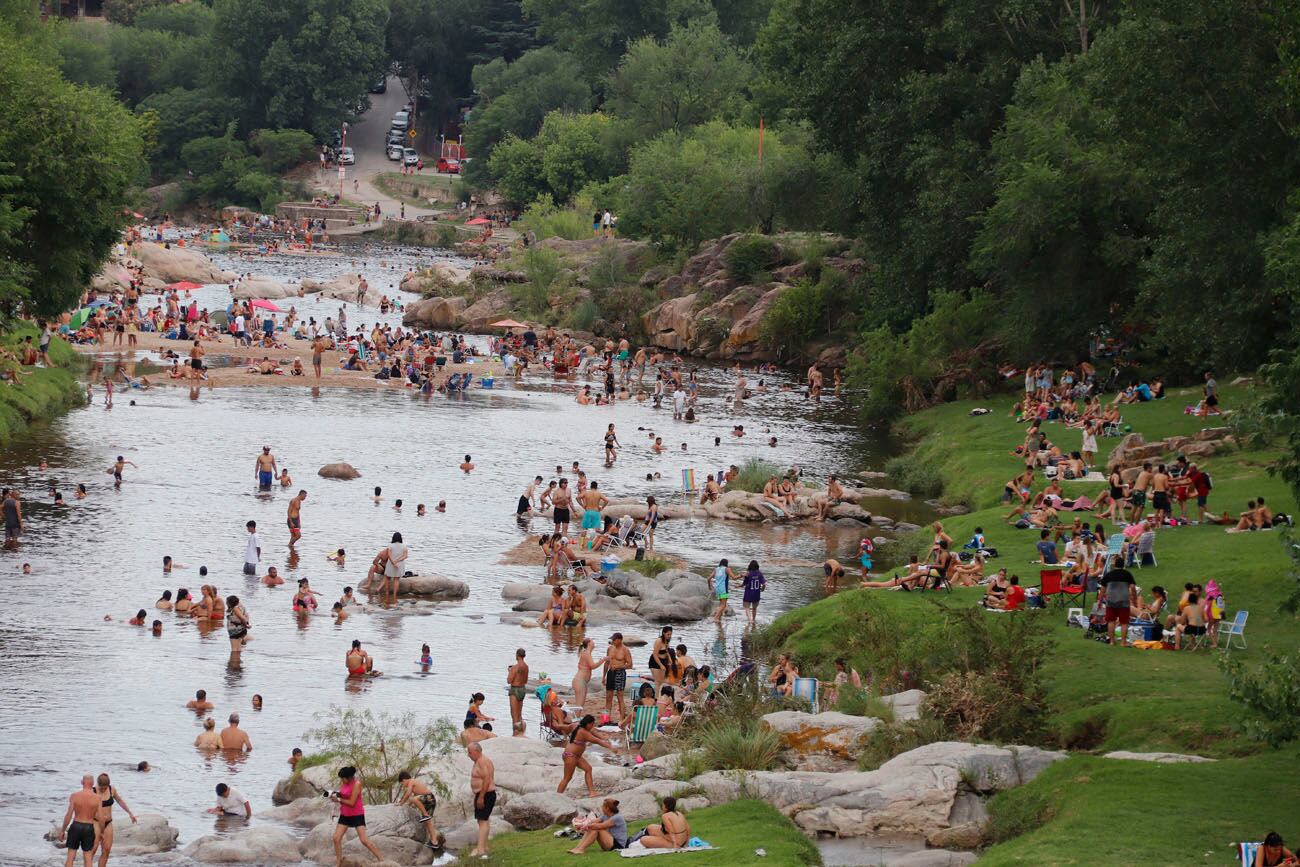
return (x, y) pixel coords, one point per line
(1272, 693)
(753, 475)
(913, 473)
(548, 221)
(282, 149)
(894, 739)
(736, 745)
(382, 746)
(750, 256)
(583, 316)
(649, 567)
(862, 702)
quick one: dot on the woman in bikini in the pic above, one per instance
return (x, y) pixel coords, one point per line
(579, 738)
(203, 608)
(217, 609)
(108, 797)
(659, 655)
(672, 832)
(586, 664)
(237, 624)
(787, 493)
(553, 614)
(183, 601)
(304, 601)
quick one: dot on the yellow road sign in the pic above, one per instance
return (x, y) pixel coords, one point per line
(411, 133)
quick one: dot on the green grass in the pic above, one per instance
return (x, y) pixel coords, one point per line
(1104, 698)
(400, 187)
(42, 392)
(736, 829)
(754, 474)
(311, 760)
(650, 567)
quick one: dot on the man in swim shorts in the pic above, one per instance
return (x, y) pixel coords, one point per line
(78, 827)
(295, 517)
(618, 659)
(526, 498)
(562, 499)
(517, 680)
(265, 469)
(592, 501)
(482, 782)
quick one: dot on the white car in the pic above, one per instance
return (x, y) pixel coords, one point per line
(395, 152)
(346, 157)
(409, 156)
(401, 120)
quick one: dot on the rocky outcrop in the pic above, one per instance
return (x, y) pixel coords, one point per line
(249, 288)
(435, 312)
(343, 288)
(396, 831)
(111, 277)
(148, 836)
(439, 276)
(906, 705)
(832, 733)
(291, 789)
(432, 587)
(744, 340)
(538, 810)
(1158, 758)
(1133, 450)
(492, 307)
(671, 325)
(258, 845)
(174, 264)
(338, 471)
(673, 596)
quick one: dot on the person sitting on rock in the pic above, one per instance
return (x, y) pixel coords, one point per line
(710, 492)
(834, 496)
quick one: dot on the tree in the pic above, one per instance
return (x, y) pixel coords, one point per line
(432, 43)
(14, 273)
(515, 166)
(692, 76)
(515, 97)
(381, 746)
(282, 149)
(75, 151)
(500, 29)
(184, 115)
(305, 65)
(183, 19)
(597, 32)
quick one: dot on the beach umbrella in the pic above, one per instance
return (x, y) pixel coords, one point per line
(508, 323)
(79, 318)
(265, 305)
(184, 286)
(478, 221)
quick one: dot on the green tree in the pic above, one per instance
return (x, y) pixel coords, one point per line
(577, 149)
(597, 32)
(692, 76)
(282, 149)
(304, 65)
(183, 115)
(500, 29)
(125, 11)
(183, 19)
(516, 168)
(433, 44)
(84, 56)
(515, 97)
(14, 272)
(73, 176)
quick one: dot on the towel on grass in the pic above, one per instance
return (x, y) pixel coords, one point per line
(636, 850)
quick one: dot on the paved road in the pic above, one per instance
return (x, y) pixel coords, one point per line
(367, 139)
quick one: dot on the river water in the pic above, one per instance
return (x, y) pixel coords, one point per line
(79, 693)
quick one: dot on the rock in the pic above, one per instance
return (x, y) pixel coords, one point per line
(984, 768)
(906, 705)
(1175, 444)
(490, 308)
(176, 264)
(745, 337)
(906, 527)
(934, 858)
(435, 312)
(1212, 433)
(1159, 758)
(338, 471)
(396, 831)
(538, 810)
(465, 835)
(292, 788)
(440, 275)
(343, 288)
(1118, 455)
(659, 746)
(1199, 450)
(149, 836)
(832, 732)
(654, 276)
(258, 845)
(432, 587)
(852, 511)
(493, 274)
(249, 288)
(309, 811)
(672, 596)
(662, 767)
(670, 324)
(713, 324)
(790, 273)
(1243, 380)
(967, 835)
(110, 277)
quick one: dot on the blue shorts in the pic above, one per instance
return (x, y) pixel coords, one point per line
(591, 520)
(265, 477)
(866, 561)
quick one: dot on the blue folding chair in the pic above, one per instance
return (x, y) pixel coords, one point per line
(1235, 629)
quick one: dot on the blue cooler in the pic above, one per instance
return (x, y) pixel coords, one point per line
(486, 381)
(608, 564)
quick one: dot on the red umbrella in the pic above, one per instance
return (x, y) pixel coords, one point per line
(478, 221)
(185, 285)
(266, 305)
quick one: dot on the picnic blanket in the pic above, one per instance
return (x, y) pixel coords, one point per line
(1091, 477)
(636, 850)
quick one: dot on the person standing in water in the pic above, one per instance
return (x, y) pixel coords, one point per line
(13, 515)
(78, 827)
(265, 469)
(108, 796)
(517, 680)
(295, 518)
(118, 466)
(253, 550)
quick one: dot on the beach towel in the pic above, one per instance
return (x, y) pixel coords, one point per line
(775, 510)
(688, 480)
(1090, 477)
(636, 850)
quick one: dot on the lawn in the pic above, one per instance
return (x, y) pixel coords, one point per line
(736, 829)
(1105, 698)
(41, 392)
(414, 189)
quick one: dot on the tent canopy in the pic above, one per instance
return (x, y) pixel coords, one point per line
(508, 323)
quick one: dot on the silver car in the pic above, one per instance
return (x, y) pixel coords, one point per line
(347, 157)
(395, 152)
(409, 156)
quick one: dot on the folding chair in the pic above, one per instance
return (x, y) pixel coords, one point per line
(1235, 629)
(1246, 853)
(806, 689)
(1114, 546)
(1049, 584)
(1145, 553)
(645, 719)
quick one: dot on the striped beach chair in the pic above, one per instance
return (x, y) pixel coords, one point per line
(645, 718)
(806, 689)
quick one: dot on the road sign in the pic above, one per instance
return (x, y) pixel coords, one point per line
(343, 173)
(411, 134)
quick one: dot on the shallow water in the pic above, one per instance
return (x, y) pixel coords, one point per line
(79, 694)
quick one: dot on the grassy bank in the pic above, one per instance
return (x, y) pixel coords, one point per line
(735, 829)
(417, 189)
(1100, 698)
(41, 393)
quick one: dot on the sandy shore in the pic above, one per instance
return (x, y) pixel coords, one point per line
(238, 376)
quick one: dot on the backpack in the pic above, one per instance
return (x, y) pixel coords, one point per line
(1209, 482)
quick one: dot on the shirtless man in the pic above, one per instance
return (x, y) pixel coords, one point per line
(295, 518)
(1138, 495)
(834, 496)
(482, 782)
(467, 464)
(200, 701)
(377, 567)
(79, 827)
(418, 795)
(593, 501)
(834, 571)
(235, 738)
(318, 347)
(526, 501)
(562, 499)
(196, 361)
(618, 659)
(472, 733)
(517, 680)
(710, 492)
(265, 469)
(1160, 484)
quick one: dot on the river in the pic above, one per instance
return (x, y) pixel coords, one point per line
(79, 693)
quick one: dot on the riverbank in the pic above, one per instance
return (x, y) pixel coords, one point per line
(41, 393)
(1098, 698)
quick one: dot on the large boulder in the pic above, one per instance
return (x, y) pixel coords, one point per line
(110, 277)
(308, 811)
(1158, 758)
(149, 836)
(671, 596)
(396, 831)
(492, 307)
(746, 337)
(249, 288)
(179, 263)
(435, 312)
(343, 288)
(262, 844)
(906, 705)
(432, 280)
(831, 732)
(671, 324)
(1119, 454)
(292, 788)
(538, 810)
(338, 471)
(715, 322)
(1212, 433)
(432, 587)
(465, 835)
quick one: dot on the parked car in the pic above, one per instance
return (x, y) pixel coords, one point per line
(401, 120)
(347, 157)
(409, 156)
(446, 166)
(379, 85)
(396, 137)
(395, 152)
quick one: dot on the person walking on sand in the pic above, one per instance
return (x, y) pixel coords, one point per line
(318, 347)
(264, 469)
(517, 681)
(482, 783)
(295, 518)
(352, 813)
(79, 828)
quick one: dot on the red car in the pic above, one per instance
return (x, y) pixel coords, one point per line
(446, 166)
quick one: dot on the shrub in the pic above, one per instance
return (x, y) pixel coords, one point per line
(543, 268)
(745, 745)
(1272, 692)
(915, 474)
(750, 256)
(548, 221)
(608, 270)
(381, 746)
(862, 702)
(974, 706)
(583, 316)
(894, 739)
(754, 473)
(649, 567)
(311, 760)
